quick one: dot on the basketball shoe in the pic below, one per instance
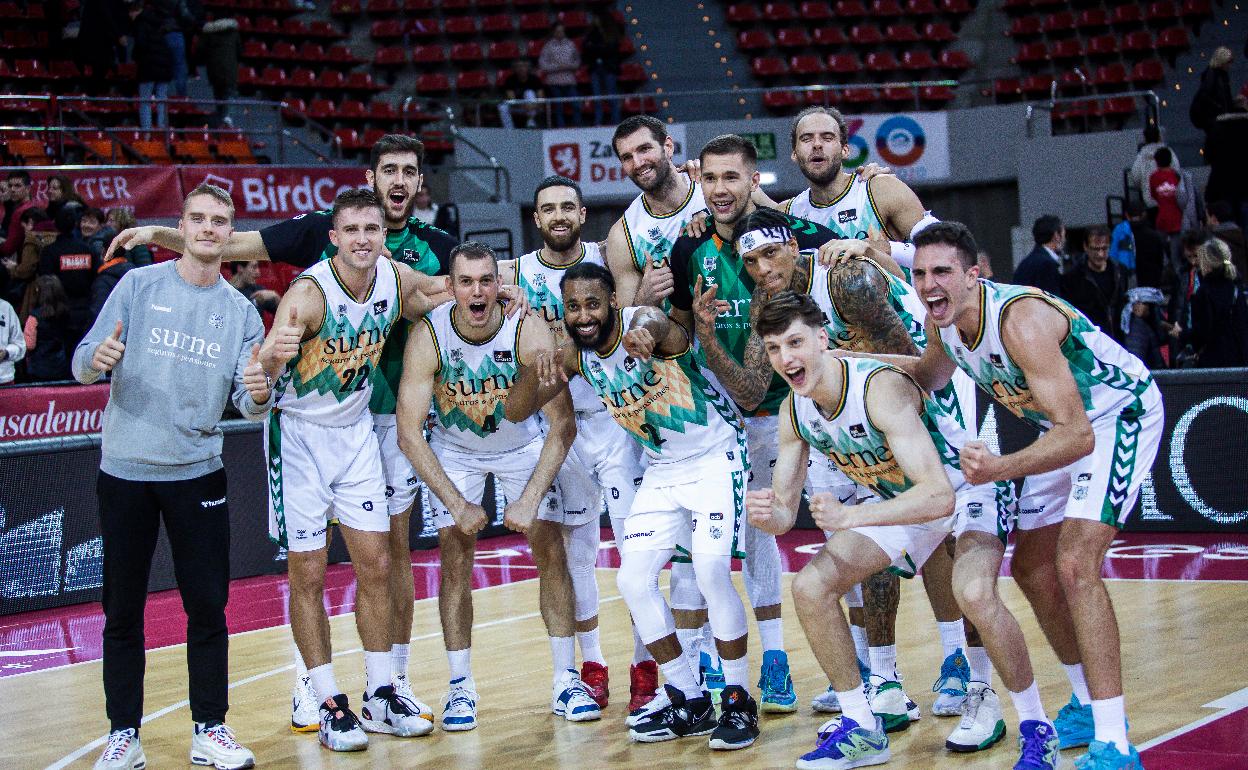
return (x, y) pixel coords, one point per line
(596, 680)
(891, 704)
(572, 701)
(214, 744)
(459, 706)
(712, 676)
(305, 711)
(1038, 749)
(843, 744)
(826, 702)
(680, 718)
(403, 688)
(643, 684)
(775, 684)
(950, 686)
(738, 720)
(649, 708)
(122, 752)
(340, 729)
(388, 712)
(1105, 756)
(982, 725)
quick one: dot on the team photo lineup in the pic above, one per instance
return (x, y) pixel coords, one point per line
(715, 362)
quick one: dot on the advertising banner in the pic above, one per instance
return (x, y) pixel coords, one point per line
(148, 191)
(585, 156)
(43, 412)
(914, 144)
(275, 192)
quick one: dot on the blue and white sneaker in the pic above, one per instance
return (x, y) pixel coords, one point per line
(459, 706)
(1074, 724)
(950, 686)
(776, 685)
(844, 744)
(572, 701)
(1038, 749)
(712, 677)
(1106, 756)
(826, 702)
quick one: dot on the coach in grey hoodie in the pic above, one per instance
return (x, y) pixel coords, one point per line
(180, 342)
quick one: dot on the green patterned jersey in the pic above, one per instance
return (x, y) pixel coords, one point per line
(855, 445)
(718, 264)
(1109, 378)
(331, 379)
(668, 405)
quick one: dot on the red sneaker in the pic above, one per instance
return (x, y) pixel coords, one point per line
(643, 681)
(594, 676)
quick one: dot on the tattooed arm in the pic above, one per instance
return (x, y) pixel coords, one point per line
(860, 293)
(746, 382)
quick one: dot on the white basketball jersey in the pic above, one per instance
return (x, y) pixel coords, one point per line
(540, 281)
(330, 379)
(650, 236)
(471, 386)
(851, 215)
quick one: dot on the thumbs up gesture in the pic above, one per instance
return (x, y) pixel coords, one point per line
(284, 339)
(255, 379)
(108, 352)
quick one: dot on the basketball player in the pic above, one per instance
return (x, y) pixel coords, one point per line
(653, 383)
(322, 452)
(1101, 421)
(602, 463)
(394, 174)
(194, 345)
(462, 361)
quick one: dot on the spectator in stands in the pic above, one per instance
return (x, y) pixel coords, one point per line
(122, 219)
(101, 31)
(1095, 285)
(245, 278)
(1142, 329)
(1150, 248)
(69, 259)
(522, 83)
(1163, 185)
(107, 276)
(221, 46)
(6, 207)
(179, 21)
(93, 226)
(1042, 267)
(1219, 332)
(1144, 166)
(444, 216)
(1222, 224)
(1213, 97)
(61, 194)
(602, 54)
(48, 334)
(39, 232)
(558, 64)
(19, 198)
(1187, 281)
(154, 62)
(12, 342)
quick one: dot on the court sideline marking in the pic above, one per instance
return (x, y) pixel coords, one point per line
(1226, 705)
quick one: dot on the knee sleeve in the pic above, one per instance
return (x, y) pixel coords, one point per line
(638, 581)
(684, 588)
(761, 567)
(723, 603)
(581, 545)
(853, 597)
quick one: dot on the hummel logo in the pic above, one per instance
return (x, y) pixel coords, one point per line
(857, 430)
(162, 308)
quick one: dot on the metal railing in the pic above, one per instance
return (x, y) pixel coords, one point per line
(1056, 103)
(502, 177)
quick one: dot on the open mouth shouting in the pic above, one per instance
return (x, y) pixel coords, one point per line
(937, 306)
(796, 375)
(397, 199)
(478, 311)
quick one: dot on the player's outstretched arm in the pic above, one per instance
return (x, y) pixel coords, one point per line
(775, 510)
(932, 369)
(243, 245)
(1032, 331)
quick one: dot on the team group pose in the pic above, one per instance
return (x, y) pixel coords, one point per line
(677, 375)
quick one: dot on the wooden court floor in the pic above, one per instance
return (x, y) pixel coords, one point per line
(1182, 648)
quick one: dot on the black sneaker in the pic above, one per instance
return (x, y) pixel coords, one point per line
(681, 719)
(738, 720)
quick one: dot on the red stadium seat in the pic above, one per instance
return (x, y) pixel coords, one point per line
(917, 8)
(1071, 48)
(826, 37)
(303, 78)
(815, 11)
(844, 64)
(881, 63)
(939, 32)
(1126, 15)
(1148, 72)
(460, 26)
(866, 34)
(793, 37)
(383, 7)
(347, 138)
(1197, 9)
(575, 21)
(901, 33)
(429, 55)
(1162, 11)
(917, 60)
(895, 95)
(850, 9)
(1174, 39)
(780, 101)
(754, 40)
(956, 7)
(379, 110)
(886, 8)
(424, 28)
(467, 53)
(1092, 18)
(1006, 87)
(357, 81)
(954, 60)
(313, 51)
(390, 29)
(779, 12)
(534, 21)
(742, 13)
(939, 94)
(806, 64)
(1137, 41)
(503, 50)
(1025, 26)
(861, 96)
(498, 24)
(632, 73)
(255, 49)
(352, 109)
(1035, 85)
(769, 67)
(432, 83)
(1031, 53)
(346, 8)
(1110, 77)
(1103, 46)
(320, 109)
(1059, 22)
(472, 81)
(341, 53)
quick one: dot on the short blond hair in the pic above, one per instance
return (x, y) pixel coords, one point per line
(1221, 57)
(214, 192)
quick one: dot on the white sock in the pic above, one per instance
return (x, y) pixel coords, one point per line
(1028, 704)
(563, 654)
(884, 661)
(854, 705)
(736, 671)
(771, 633)
(376, 671)
(981, 665)
(678, 674)
(691, 646)
(591, 648)
(460, 662)
(1078, 682)
(860, 643)
(952, 636)
(398, 658)
(640, 653)
(323, 682)
(1110, 717)
(300, 669)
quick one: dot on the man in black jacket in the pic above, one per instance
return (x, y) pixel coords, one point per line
(1042, 268)
(1095, 284)
(1150, 248)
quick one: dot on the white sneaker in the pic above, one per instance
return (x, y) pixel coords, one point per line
(657, 704)
(339, 727)
(215, 746)
(387, 712)
(826, 702)
(891, 704)
(981, 725)
(572, 701)
(403, 688)
(122, 752)
(305, 709)
(459, 706)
